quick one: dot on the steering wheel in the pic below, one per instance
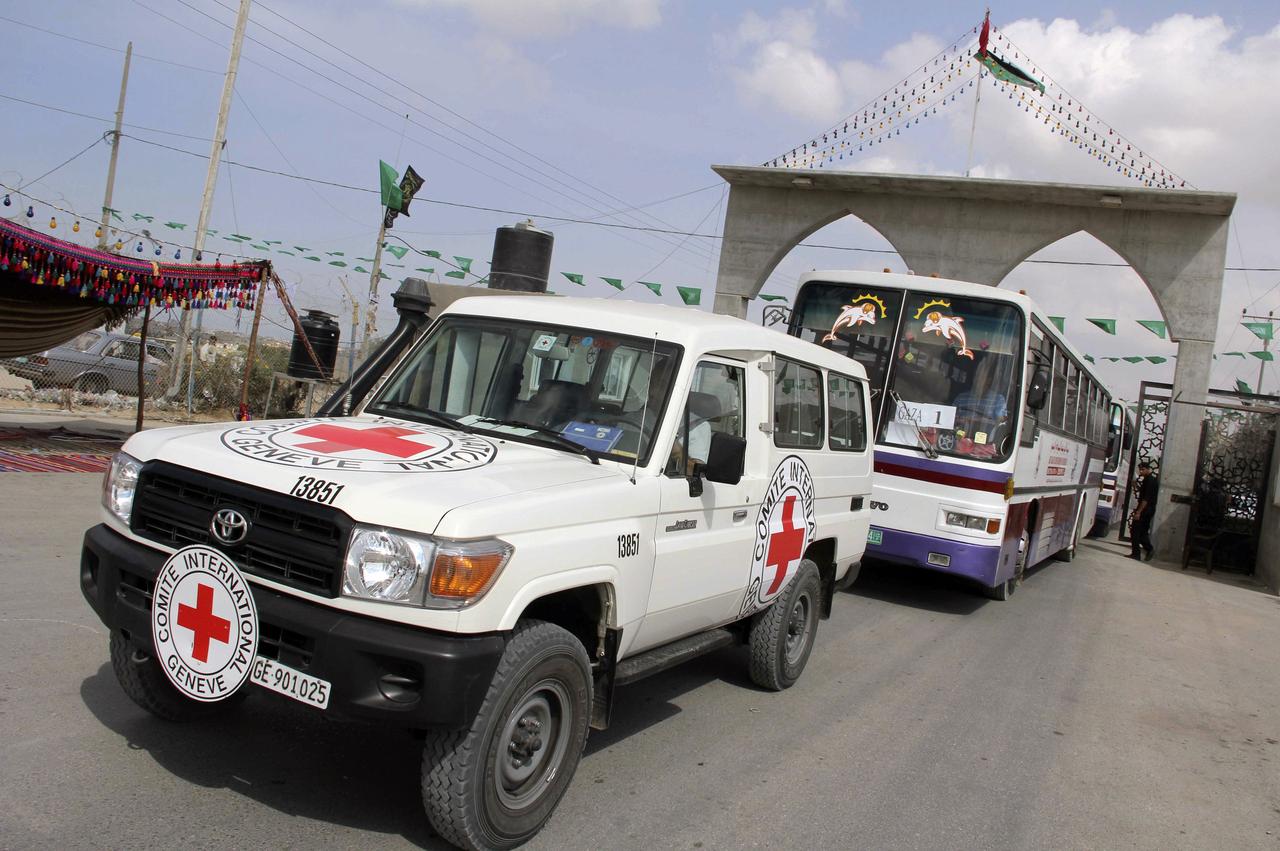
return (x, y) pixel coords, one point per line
(946, 441)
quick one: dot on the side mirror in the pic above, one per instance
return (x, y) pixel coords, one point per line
(1038, 391)
(725, 459)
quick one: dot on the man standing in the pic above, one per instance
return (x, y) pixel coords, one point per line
(1140, 522)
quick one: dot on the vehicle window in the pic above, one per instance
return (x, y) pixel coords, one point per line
(797, 406)
(715, 406)
(1058, 398)
(85, 341)
(848, 419)
(1036, 359)
(858, 322)
(123, 349)
(159, 352)
(955, 373)
(1073, 398)
(601, 390)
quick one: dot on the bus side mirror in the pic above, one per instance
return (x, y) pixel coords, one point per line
(726, 458)
(1038, 392)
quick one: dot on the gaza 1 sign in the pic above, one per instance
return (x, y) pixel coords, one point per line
(784, 529)
(382, 445)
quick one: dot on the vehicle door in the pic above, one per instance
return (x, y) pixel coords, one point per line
(120, 364)
(703, 541)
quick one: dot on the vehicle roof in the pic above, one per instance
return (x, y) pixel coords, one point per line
(696, 330)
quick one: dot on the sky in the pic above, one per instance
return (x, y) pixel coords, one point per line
(575, 110)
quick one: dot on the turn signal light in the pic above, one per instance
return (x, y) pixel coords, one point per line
(993, 526)
(466, 570)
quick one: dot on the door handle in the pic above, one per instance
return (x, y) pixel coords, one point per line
(740, 514)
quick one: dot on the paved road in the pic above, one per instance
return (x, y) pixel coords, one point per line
(1110, 704)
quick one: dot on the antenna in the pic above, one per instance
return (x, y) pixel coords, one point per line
(644, 412)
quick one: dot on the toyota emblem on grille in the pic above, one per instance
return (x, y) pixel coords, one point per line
(229, 526)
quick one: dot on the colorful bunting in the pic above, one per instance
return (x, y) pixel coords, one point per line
(1108, 325)
(1261, 330)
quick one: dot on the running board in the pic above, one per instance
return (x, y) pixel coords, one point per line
(659, 659)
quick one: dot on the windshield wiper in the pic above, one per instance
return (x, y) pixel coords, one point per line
(424, 414)
(930, 450)
(551, 435)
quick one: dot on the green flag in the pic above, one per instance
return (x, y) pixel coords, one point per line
(1060, 322)
(1261, 330)
(1267, 356)
(398, 250)
(616, 283)
(1155, 326)
(1233, 354)
(455, 274)
(392, 197)
(1134, 358)
(139, 217)
(431, 253)
(175, 225)
(339, 263)
(1242, 387)
(464, 263)
(768, 297)
(317, 259)
(330, 253)
(285, 251)
(301, 248)
(425, 270)
(1156, 359)
(362, 269)
(690, 295)
(575, 277)
(1090, 359)
(1112, 360)
(1108, 325)
(656, 289)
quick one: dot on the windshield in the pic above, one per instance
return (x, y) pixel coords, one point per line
(955, 370)
(85, 341)
(857, 322)
(537, 382)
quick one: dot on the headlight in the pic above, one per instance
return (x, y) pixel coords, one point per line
(119, 485)
(971, 521)
(397, 567)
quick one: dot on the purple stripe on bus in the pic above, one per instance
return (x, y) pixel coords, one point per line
(983, 473)
(974, 561)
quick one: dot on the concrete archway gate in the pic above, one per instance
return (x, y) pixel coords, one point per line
(979, 230)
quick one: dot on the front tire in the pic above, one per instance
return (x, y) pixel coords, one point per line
(497, 783)
(143, 680)
(782, 636)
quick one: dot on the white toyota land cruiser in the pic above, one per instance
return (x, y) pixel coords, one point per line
(545, 499)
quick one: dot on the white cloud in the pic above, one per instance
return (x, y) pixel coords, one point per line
(541, 18)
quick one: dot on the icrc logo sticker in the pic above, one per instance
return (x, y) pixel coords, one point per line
(382, 445)
(784, 528)
(204, 624)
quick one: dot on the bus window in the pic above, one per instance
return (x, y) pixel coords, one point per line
(955, 370)
(857, 322)
(1058, 397)
(1073, 398)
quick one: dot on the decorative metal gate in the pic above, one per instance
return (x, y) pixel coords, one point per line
(1153, 416)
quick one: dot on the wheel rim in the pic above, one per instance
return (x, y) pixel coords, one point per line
(533, 744)
(798, 628)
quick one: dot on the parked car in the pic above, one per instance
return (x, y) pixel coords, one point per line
(95, 362)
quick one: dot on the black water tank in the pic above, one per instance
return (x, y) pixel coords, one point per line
(521, 258)
(322, 330)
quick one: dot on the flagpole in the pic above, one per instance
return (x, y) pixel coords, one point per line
(973, 129)
(371, 311)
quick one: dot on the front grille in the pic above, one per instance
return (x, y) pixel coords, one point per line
(274, 641)
(290, 541)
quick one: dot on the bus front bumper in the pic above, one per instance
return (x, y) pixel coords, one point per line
(973, 561)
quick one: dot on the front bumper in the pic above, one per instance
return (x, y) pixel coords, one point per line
(379, 671)
(974, 561)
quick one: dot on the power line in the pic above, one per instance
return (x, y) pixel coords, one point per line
(67, 161)
(100, 118)
(57, 34)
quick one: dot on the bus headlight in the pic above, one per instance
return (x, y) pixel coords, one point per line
(960, 520)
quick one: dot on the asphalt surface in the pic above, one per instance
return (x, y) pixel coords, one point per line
(1109, 704)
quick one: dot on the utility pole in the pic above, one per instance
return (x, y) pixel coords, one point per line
(206, 202)
(371, 311)
(1266, 343)
(115, 151)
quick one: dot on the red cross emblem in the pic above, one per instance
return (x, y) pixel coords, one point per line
(385, 440)
(785, 546)
(203, 622)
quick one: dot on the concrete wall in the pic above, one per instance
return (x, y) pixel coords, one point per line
(1267, 566)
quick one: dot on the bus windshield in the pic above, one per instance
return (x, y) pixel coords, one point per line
(954, 376)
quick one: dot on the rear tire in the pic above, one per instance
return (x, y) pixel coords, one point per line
(142, 678)
(1001, 592)
(782, 636)
(497, 783)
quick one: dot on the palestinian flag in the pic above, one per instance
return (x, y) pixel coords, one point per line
(999, 68)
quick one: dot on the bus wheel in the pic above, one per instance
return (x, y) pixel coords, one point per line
(1003, 591)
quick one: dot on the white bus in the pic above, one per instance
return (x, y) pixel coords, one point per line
(1115, 474)
(991, 430)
